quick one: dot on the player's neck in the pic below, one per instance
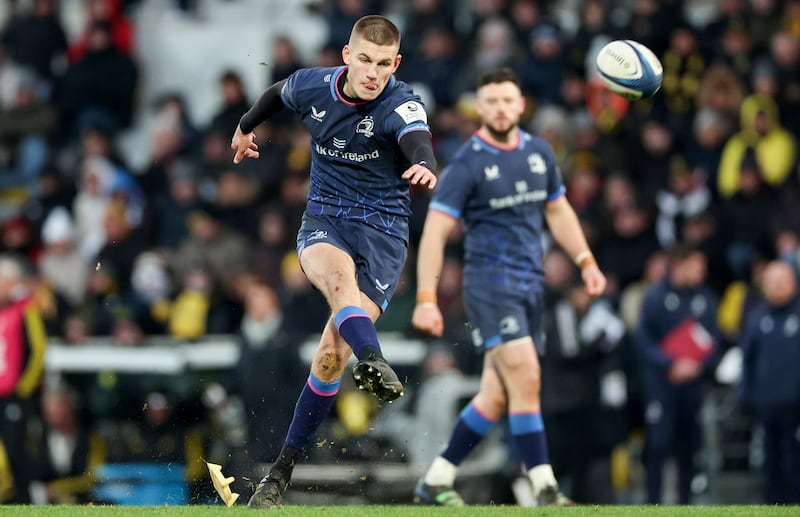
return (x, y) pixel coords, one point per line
(347, 92)
(505, 140)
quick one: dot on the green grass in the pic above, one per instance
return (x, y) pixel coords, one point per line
(398, 511)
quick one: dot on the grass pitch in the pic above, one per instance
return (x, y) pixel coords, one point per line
(398, 511)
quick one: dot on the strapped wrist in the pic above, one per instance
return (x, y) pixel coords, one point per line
(585, 259)
(426, 296)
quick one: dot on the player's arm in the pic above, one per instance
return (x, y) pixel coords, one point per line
(417, 147)
(567, 231)
(243, 141)
(35, 338)
(430, 257)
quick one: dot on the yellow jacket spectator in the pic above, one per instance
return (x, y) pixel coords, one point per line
(761, 131)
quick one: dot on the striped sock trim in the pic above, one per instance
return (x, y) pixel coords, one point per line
(323, 389)
(524, 423)
(351, 311)
(475, 420)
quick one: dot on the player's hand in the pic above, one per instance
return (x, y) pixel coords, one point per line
(594, 280)
(684, 370)
(428, 318)
(419, 174)
(244, 145)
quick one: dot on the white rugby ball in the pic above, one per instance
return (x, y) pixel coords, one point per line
(629, 69)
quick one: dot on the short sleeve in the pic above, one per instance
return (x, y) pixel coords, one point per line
(454, 187)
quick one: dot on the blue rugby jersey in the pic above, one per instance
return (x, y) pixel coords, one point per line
(501, 194)
(356, 162)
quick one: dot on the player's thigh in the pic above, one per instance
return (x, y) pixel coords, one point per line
(327, 258)
(380, 259)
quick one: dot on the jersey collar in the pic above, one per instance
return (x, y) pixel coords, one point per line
(338, 97)
(495, 147)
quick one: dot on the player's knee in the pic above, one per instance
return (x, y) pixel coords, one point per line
(329, 365)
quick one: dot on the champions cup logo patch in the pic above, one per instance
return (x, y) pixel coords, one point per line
(366, 126)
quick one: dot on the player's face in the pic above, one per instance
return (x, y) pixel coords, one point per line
(370, 67)
(500, 106)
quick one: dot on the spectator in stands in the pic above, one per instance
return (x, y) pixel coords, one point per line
(123, 243)
(684, 64)
(271, 245)
(35, 38)
(161, 436)
(234, 103)
(25, 131)
(773, 146)
(95, 180)
(99, 90)
(594, 27)
(169, 210)
(710, 130)
(684, 196)
(110, 12)
(196, 309)
(785, 55)
(494, 47)
(269, 346)
(303, 306)
(744, 218)
(235, 203)
(722, 92)
(631, 298)
(21, 369)
(623, 251)
(223, 249)
(285, 60)
(434, 63)
(67, 453)
(151, 293)
(541, 68)
(580, 333)
(437, 402)
(18, 236)
(770, 352)
(62, 265)
(677, 340)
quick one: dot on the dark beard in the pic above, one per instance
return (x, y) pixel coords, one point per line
(501, 136)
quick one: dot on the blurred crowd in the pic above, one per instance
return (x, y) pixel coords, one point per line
(192, 245)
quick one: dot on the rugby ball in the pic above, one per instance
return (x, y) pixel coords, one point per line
(629, 69)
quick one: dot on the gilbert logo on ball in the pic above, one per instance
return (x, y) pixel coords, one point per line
(629, 69)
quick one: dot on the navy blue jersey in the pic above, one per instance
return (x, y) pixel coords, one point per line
(356, 162)
(501, 194)
(770, 343)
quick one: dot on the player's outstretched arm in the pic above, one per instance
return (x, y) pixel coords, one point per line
(427, 317)
(243, 141)
(567, 231)
(418, 148)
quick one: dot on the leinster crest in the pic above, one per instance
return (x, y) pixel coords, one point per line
(366, 126)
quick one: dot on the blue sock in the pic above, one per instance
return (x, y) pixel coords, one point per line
(470, 429)
(313, 405)
(527, 431)
(356, 327)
